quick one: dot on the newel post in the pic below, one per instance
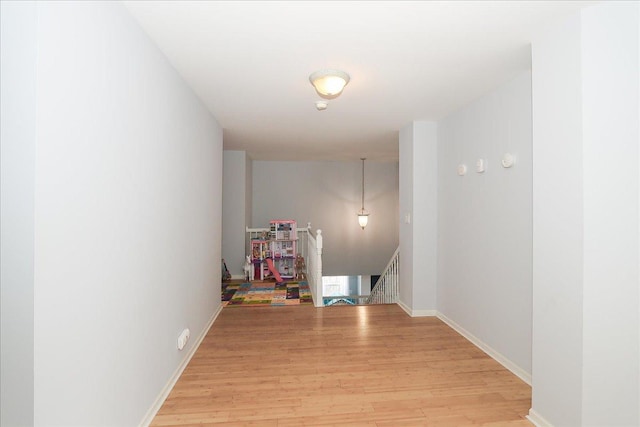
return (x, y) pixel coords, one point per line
(319, 252)
(318, 272)
(319, 241)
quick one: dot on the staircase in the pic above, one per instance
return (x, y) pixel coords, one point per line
(387, 290)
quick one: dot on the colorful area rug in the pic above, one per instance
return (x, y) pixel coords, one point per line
(265, 294)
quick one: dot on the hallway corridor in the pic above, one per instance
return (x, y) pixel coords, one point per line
(349, 365)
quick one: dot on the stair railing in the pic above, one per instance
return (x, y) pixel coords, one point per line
(387, 290)
(314, 265)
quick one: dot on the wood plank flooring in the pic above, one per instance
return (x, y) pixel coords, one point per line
(341, 366)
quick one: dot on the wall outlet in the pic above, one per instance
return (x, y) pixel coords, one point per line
(183, 338)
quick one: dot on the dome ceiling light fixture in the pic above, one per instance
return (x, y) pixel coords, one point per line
(329, 83)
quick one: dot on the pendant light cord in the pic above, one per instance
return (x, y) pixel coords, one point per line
(363, 159)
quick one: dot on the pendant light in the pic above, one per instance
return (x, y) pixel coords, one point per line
(363, 215)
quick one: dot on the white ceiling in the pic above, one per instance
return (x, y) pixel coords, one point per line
(250, 61)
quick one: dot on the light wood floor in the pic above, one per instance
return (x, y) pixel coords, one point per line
(347, 365)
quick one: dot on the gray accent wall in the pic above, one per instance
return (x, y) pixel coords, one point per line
(111, 216)
(328, 194)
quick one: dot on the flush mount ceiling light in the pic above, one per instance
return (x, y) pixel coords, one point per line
(363, 215)
(329, 83)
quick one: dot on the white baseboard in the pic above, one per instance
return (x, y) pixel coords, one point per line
(423, 313)
(537, 420)
(404, 307)
(157, 404)
(515, 369)
(416, 313)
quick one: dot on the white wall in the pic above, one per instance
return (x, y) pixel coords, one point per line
(557, 223)
(585, 273)
(328, 194)
(17, 157)
(484, 221)
(127, 219)
(611, 76)
(235, 209)
(248, 196)
(406, 183)
(418, 217)
(425, 214)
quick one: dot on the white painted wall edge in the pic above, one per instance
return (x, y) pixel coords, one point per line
(515, 369)
(153, 410)
(537, 420)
